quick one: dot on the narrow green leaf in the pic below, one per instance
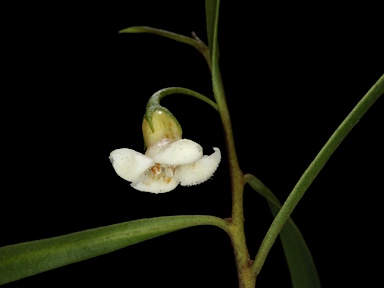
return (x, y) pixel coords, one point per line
(30, 258)
(210, 14)
(314, 169)
(160, 32)
(192, 41)
(300, 263)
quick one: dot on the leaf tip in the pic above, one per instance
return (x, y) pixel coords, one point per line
(127, 30)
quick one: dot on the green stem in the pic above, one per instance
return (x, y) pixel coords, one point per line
(155, 98)
(154, 102)
(236, 227)
(314, 169)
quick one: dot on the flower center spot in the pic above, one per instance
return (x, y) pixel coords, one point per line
(163, 173)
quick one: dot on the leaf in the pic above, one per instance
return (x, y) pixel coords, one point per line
(30, 258)
(300, 263)
(160, 32)
(312, 171)
(194, 42)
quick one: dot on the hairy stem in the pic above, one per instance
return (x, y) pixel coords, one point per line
(236, 223)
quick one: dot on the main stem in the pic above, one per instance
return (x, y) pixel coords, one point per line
(246, 277)
(236, 223)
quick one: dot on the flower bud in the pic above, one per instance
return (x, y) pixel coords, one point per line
(164, 129)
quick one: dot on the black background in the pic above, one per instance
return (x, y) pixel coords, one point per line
(74, 90)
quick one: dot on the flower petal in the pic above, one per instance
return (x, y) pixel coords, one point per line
(161, 183)
(200, 171)
(180, 152)
(129, 164)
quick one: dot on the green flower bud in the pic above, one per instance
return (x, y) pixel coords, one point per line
(160, 127)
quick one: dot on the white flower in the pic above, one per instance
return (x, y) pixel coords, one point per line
(169, 159)
(165, 165)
